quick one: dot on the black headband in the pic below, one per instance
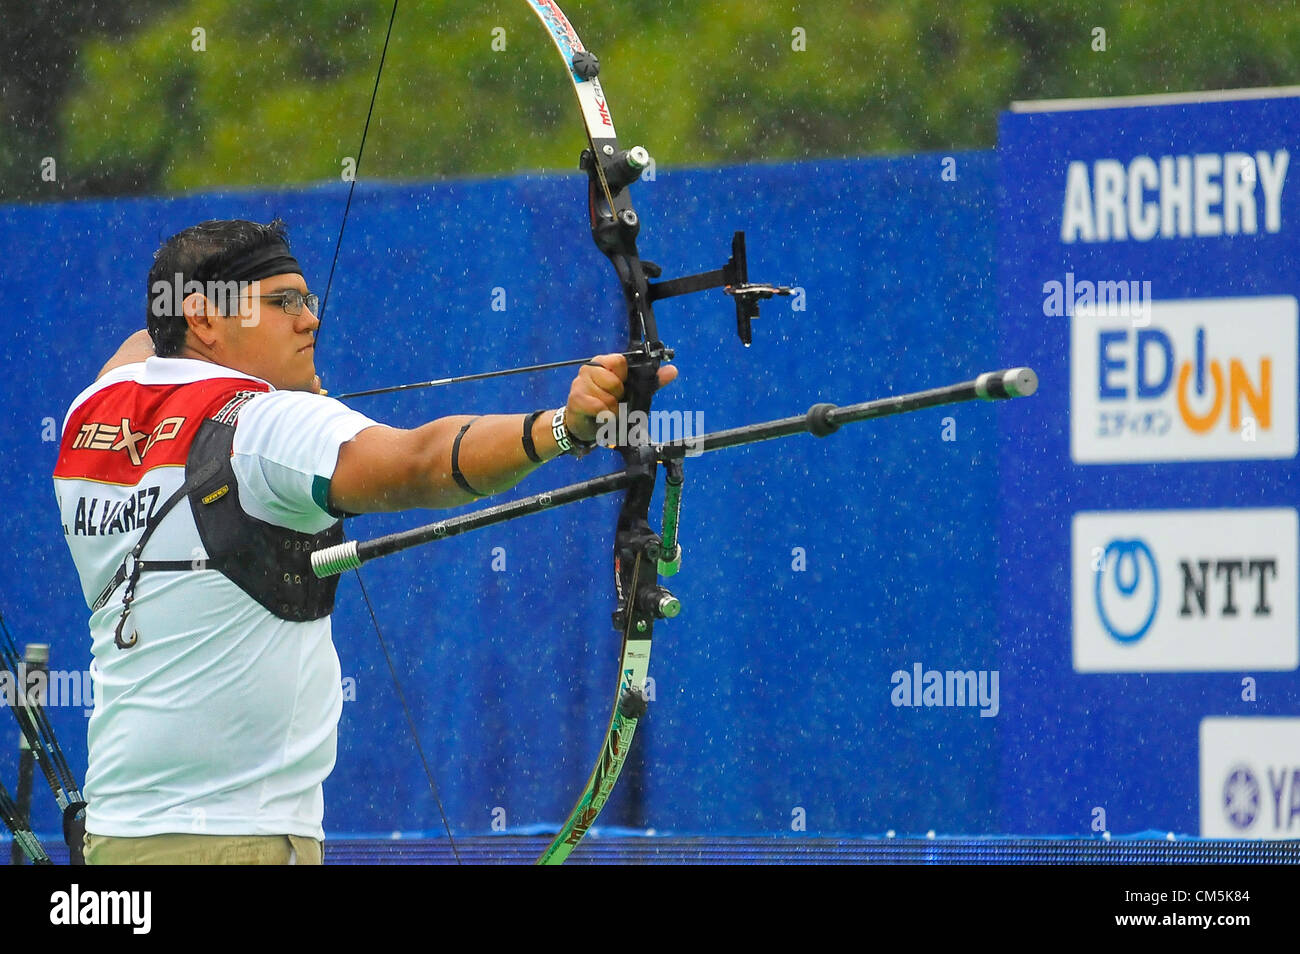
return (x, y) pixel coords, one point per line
(250, 266)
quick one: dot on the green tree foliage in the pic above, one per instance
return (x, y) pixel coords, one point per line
(202, 94)
(39, 40)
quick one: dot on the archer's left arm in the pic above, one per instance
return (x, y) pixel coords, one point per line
(494, 454)
(446, 463)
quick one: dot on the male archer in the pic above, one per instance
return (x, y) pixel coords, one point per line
(195, 477)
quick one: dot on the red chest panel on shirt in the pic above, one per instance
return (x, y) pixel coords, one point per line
(127, 429)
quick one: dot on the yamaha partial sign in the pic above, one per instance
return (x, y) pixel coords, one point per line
(1185, 590)
(1250, 777)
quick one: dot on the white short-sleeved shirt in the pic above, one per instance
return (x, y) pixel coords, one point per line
(223, 718)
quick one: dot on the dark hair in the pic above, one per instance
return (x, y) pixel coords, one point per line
(197, 254)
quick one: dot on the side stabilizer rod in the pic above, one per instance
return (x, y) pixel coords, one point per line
(824, 419)
(820, 420)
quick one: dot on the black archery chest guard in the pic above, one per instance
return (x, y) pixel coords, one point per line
(271, 564)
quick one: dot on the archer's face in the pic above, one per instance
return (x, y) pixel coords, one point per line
(266, 341)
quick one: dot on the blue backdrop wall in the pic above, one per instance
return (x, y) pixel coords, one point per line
(813, 571)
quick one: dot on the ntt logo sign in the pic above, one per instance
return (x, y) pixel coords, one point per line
(1185, 590)
(1202, 379)
(1126, 589)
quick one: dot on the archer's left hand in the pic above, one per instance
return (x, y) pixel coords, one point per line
(597, 391)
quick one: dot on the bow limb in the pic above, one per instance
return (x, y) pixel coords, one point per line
(614, 227)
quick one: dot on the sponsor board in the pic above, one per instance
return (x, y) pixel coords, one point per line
(1250, 777)
(1201, 379)
(1185, 590)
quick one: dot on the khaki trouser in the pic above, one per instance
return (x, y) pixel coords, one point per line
(204, 850)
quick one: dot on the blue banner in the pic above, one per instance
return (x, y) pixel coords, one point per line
(1149, 270)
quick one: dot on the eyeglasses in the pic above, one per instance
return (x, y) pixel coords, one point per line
(292, 300)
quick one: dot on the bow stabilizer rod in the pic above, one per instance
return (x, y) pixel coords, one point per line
(821, 420)
(641, 556)
(350, 554)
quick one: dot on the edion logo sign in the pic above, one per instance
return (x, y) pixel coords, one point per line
(1143, 364)
(1203, 379)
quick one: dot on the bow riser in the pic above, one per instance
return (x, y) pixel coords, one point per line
(614, 228)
